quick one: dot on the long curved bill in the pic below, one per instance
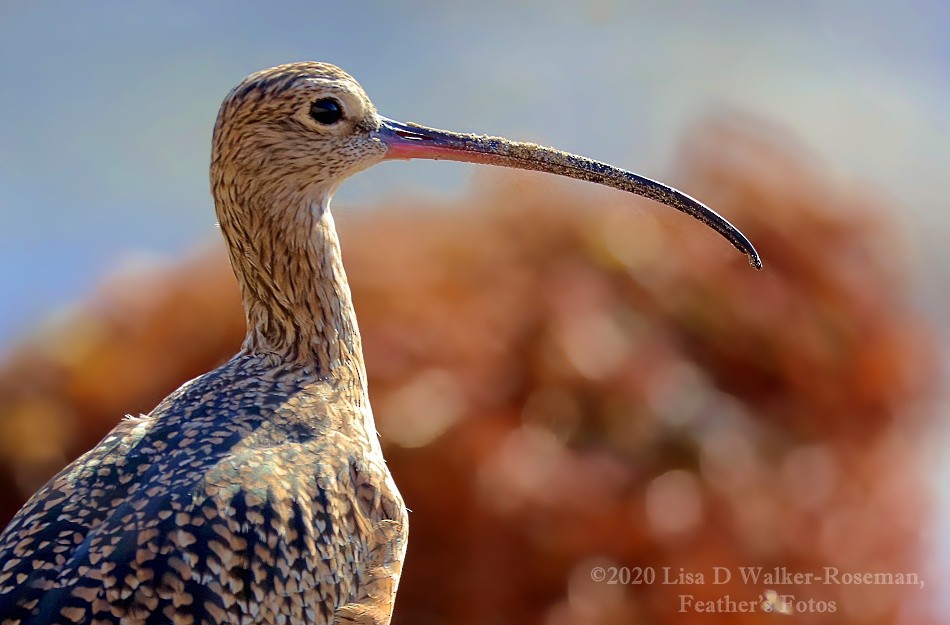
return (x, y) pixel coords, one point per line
(405, 141)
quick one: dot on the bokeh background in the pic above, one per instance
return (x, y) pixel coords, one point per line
(564, 377)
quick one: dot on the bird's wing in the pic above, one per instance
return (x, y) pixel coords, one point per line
(55, 524)
(143, 535)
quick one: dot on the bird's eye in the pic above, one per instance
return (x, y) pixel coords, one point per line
(326, 111)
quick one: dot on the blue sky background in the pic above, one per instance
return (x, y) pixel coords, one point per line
(107, 107)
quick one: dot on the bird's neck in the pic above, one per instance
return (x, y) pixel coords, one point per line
(296, 295)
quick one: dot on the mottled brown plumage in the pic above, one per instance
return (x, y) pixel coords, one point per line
(258, 493)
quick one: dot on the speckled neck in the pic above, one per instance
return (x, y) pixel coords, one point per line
(296, 296)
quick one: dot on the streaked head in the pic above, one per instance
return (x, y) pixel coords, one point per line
(292, 130)
(291, 134)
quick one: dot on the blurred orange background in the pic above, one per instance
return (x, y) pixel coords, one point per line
(564, 377)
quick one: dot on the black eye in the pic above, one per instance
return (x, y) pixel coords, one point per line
(326, 111)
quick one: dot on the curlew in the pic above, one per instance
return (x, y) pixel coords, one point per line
(258, 493)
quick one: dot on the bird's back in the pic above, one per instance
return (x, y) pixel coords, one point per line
(249, 495)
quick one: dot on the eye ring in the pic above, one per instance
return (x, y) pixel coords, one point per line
(326, 111)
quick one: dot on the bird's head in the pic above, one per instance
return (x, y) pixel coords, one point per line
(294, 132)
(289, 135)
